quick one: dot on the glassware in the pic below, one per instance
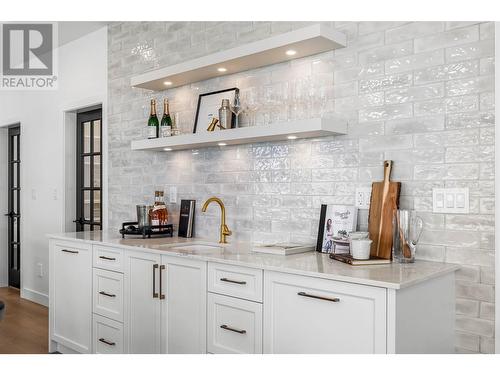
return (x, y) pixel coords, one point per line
(252, 106)
(236, 108)
(407, 228)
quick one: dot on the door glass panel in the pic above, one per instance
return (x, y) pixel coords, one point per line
(97, 206)
(97, 171)
(14, 176)
(15, 207)
(86, 137)
(86, 171)
(97, 136)
(86, 205)
(15, 156)
(15, 231)
(15, 257)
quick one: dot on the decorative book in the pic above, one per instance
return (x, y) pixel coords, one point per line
(283, 248)
(347, 258)
(335, 224)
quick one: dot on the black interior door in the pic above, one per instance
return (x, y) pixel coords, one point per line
(89, 170)
(14, 222)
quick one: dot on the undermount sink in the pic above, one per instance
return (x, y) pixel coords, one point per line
(197, 247)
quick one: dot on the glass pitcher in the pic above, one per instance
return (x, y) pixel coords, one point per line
(407, 228)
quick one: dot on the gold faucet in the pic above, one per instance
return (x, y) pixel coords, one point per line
(224, 230)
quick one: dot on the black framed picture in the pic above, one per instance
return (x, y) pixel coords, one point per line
(208, 108)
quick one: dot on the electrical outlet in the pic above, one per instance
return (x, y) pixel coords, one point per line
(40, 269)
(173, 194)
(362, 198)
(450, 200)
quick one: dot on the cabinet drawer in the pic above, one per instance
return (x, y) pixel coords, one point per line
(235, 281)
(234, 325)
(108, 258)
(312, 316)
(108, 294)
(108, 336)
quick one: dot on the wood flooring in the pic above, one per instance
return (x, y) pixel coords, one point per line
(25, 327)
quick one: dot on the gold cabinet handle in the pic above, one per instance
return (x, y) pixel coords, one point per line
(104, 341)
(155, 267)
(107, 294)
(227, 328)
(304, 294)
(69, 251)
(226, 280)
(106, 258)
(162, 267)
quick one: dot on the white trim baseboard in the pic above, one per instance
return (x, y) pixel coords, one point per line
(34, 296)
(497, 191)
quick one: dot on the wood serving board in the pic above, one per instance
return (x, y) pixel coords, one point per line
(384, 200)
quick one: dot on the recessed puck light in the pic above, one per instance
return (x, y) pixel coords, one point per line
(222, 70)
(292, 137)
(167, 83)
(222, 144)
(291, 52)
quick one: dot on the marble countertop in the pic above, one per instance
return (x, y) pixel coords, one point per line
(393, 276)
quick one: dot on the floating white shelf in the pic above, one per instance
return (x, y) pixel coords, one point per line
(307, 41)
(265, 133)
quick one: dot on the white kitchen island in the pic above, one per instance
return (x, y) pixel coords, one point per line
(177, 295)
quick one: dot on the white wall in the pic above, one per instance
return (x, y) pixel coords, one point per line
(82, 83)
(497, 190)
(3, 206)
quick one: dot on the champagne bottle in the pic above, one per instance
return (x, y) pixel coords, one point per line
(166, 121)
(153, 125)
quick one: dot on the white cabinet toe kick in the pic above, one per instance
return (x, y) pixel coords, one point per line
(110, 300)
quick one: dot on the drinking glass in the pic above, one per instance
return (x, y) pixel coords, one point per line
(407, 228)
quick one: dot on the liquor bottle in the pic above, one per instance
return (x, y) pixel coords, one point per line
(159, 213)
(153, 124)
(166, 121)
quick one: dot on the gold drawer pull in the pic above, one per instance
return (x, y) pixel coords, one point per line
(240, 331)
(104, 341)
(226, 280)
(304, 294)
(106, 258)
(69, 251)
(107, 294)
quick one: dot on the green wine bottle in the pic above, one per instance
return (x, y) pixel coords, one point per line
(153, 124)
(166, 121)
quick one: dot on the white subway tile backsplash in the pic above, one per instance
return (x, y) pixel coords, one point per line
(413, 62)
(413, 92)
(412, 30)
(415, 125)
(484, 48)
(446, 72)
(447, 38)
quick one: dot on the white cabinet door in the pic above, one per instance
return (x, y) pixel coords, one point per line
(142, 315)
(310, 315)
(184, 305)
(71, 295)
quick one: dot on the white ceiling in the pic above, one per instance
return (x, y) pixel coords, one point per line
(72, 30)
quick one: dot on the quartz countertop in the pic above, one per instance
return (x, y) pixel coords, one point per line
(393, 276)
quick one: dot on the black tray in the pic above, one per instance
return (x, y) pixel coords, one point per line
(131, 228)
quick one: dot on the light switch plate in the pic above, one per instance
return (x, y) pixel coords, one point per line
(173, 194)
(362, 198)
(450, 200)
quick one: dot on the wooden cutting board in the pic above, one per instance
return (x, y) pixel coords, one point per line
(384, 200)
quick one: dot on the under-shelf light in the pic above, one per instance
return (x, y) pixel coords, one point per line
(222, 69)
(291, 52)
(167, 149)
(222, 144)
(167, 83)
(292, 137)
